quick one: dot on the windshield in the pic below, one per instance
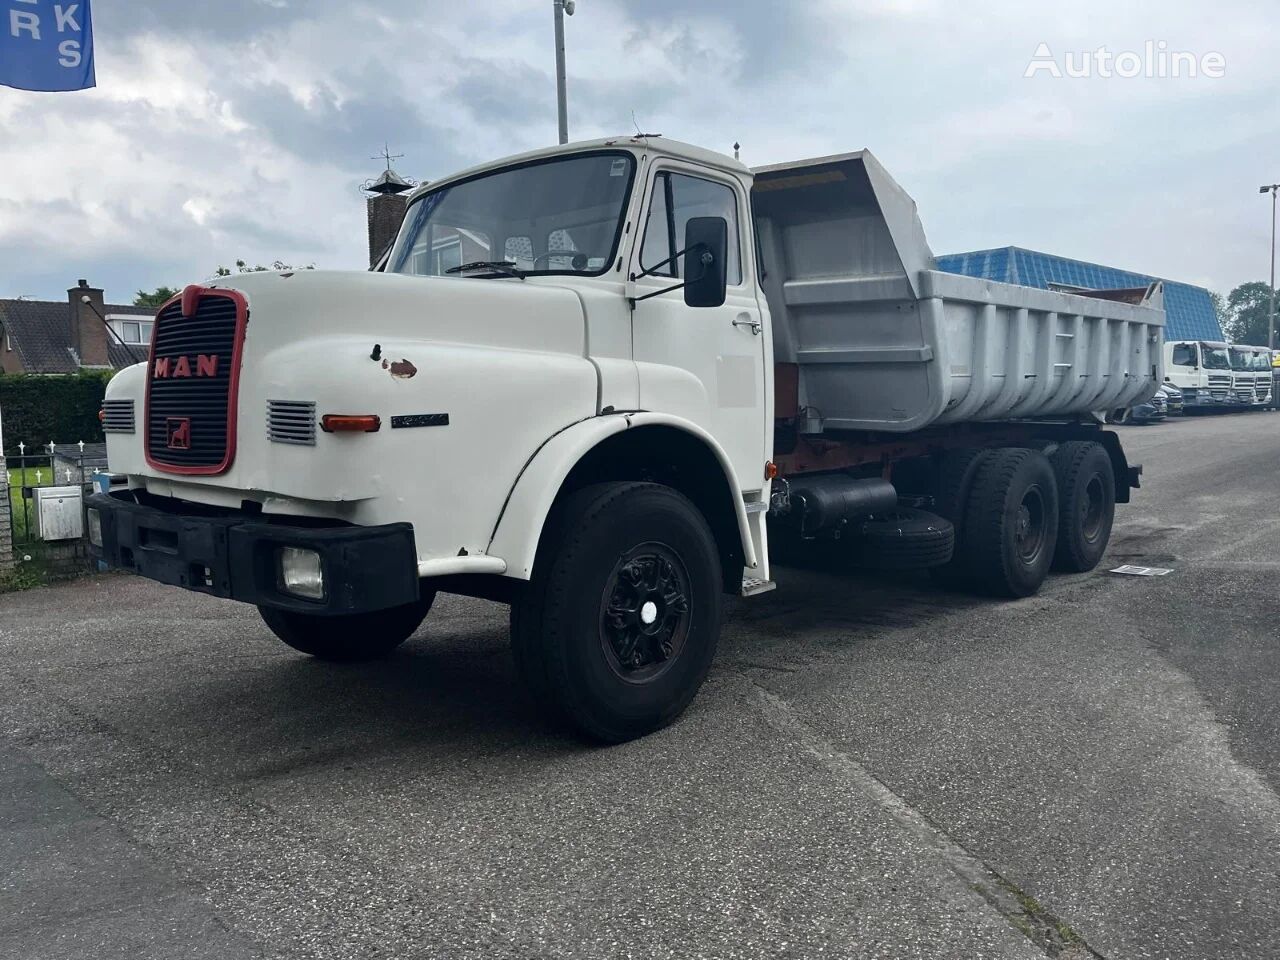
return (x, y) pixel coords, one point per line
(1215, 358)
(1240, 360)
(562, 215)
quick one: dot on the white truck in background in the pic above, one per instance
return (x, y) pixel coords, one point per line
(592, 382)
(1201, 369)
(1251, 375)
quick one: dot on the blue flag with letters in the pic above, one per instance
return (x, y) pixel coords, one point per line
(46, 45)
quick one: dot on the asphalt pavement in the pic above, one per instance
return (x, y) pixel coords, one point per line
(874, 769)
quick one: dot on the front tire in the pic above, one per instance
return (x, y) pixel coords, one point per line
(617, 629)
(352, 637)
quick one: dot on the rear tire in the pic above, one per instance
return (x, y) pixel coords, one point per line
(352, 637)
(1087, 491)
(617, 629)
(955, 480)
(1011, 523)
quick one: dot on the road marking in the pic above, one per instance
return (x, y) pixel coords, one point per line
(1049, 934)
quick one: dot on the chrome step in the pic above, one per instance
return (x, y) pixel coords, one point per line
(754, 585)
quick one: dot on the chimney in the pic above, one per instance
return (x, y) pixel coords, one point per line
(88, 333)
(386, 213)
(386, 207)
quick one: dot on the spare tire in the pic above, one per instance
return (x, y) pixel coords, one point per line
(902, 539)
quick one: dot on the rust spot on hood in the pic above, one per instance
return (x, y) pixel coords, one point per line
(402, 369)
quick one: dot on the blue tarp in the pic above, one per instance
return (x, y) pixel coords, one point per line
(1189, 310)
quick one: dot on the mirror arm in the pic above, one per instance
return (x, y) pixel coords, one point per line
(705, 259)
(649, 271)
(656, 293)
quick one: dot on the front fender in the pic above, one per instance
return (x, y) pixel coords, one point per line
(124, 450)
(519, 526)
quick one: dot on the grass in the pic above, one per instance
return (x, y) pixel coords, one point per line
(36, 472)
(31, 569)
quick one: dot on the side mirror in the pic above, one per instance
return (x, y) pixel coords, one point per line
(706, 253)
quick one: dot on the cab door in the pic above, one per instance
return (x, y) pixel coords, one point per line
(705, 364)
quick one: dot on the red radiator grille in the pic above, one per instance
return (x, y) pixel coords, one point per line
(192, 380)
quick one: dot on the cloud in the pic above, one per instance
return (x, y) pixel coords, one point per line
(243, 128)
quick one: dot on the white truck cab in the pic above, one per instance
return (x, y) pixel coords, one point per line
(1251, 375)
(588, 381)
(1201, 369)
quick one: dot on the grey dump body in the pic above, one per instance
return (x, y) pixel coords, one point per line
(885, 342)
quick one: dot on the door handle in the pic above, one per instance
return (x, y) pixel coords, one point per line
(746, 320)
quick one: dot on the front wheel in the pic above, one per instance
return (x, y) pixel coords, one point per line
(617, 629)
(351, 637)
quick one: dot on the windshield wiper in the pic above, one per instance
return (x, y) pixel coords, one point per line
(499, 266)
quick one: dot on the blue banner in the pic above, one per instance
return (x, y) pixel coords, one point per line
(46, 45)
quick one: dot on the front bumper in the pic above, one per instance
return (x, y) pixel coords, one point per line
(235, 555)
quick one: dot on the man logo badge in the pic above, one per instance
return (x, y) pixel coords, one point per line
(178, 432)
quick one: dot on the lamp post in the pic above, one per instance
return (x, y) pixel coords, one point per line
(563, 8)
(1271, 316)
(111, 330)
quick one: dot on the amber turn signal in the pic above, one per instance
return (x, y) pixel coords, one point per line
(102, 416)
(770, 470)
(350, 423)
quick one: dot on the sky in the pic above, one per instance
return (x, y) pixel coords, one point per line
(243, 129)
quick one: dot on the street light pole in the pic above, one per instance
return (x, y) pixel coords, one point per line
(563, 7)
(1271, 316)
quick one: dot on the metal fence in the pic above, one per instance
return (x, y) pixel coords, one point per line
(47, 487)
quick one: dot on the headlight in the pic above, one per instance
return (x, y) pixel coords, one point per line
(301, 573)
(95, 527)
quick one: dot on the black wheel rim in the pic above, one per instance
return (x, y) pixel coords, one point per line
(1092, 509)
(645, 612)
(1029, 526)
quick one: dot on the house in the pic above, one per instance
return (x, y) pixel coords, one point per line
(52, 337)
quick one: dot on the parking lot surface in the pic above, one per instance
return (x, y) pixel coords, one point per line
(875, 768)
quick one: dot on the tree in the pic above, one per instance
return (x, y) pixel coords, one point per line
(279, 266)
(1248, 313)
(1219, 307)
(161, 295)
(155, 299)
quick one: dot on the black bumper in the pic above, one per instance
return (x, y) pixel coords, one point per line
(235, 555)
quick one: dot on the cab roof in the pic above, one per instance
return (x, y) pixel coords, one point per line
(638, 143)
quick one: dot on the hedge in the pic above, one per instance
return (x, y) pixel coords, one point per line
(35, 409)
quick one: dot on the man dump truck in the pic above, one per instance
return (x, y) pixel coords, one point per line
(648, 361)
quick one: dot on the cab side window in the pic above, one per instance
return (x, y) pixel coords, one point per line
(1184, 354)
(677, 198)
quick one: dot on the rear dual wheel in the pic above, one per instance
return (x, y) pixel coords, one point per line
(1087, 490)
(1018, 514)
(1010, 523)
